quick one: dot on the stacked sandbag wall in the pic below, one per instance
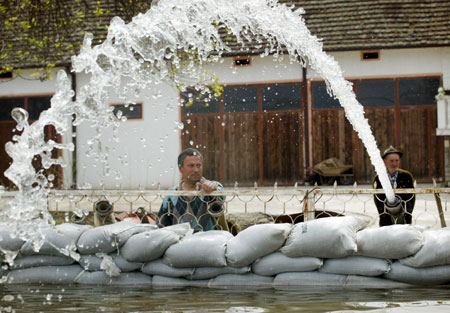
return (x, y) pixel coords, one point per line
(329, 252)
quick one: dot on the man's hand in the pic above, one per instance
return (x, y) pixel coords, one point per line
(207, 186)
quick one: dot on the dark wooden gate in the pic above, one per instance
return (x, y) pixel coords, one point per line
(267, 144)
(400, 111)
(262, 144)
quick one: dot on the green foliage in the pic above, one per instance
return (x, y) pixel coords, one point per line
(43, 34)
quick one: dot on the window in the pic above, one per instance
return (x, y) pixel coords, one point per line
(6, 75)
(370, 55)
(193, 101)
(321, 98)
(34, 106)
(372, 93)
(241, 99)
(418, 91)
(132, 111)
(281, 97)
(6, 106)
(242, 61)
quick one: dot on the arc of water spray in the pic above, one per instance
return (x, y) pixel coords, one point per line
(147, 50)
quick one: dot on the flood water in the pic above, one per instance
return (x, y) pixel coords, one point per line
(76, 298)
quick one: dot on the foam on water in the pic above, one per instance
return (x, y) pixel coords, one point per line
(170, 43)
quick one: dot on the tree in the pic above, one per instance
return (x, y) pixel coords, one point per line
(43, 34)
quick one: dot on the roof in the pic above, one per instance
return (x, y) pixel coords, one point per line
(378, 24)
(343, 25)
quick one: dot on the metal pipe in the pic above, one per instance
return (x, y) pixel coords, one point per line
(394, 207)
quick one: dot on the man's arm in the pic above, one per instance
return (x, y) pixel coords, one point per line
(215, 204)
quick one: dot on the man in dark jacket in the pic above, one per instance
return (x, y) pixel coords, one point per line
(399, 178)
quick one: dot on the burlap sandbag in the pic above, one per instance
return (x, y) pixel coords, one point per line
(254, 242)
(356, 265)
(158, 267)
(276, 263)
(174, 282)
(107, 238)
(101, 278)
(60, 240)
(330, 237)
(435, 250)
(434, 275)
(249, 280)
(41, 260)
(9, 241)
(149, 245)
(325, 280)
(201, 249)
(389, 242)
(64, 274)
(211, 272)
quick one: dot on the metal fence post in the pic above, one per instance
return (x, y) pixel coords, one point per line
(309, 206)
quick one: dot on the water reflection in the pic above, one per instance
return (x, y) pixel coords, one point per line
(34, 298)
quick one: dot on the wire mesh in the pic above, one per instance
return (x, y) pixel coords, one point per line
(239, 208)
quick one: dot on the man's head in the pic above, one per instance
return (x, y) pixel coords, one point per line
(190, 164)
(391, 157)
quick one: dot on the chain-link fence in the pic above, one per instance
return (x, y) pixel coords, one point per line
(234, 209)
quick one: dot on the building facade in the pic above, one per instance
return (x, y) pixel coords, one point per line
(275, 120)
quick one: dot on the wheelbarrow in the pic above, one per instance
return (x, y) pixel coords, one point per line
(330, 170)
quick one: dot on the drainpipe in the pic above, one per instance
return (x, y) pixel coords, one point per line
(304, 87)
(74, 131)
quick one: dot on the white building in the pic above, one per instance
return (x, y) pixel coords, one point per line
(286, 123)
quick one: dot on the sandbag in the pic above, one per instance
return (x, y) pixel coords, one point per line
(255, 242)
(182, 229)
(356, 265)
(325, 280)
(101, 278)
(389, 242)
(108, 265)
(173, 282)
(434, 275)
(9, 241)
(202, 249)
(60, 240)
(211, 272)
(107, 238)
(40, 260)
(330, 237)
(308, 279)
(435, 250)
(275, 263)
(355, 281)
(64, 274)
(158, 267)
(249, 280)
(90, 262)
(149, 245)
(124, 265)
(4, 270)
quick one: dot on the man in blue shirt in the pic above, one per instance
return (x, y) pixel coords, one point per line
(202, 212)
